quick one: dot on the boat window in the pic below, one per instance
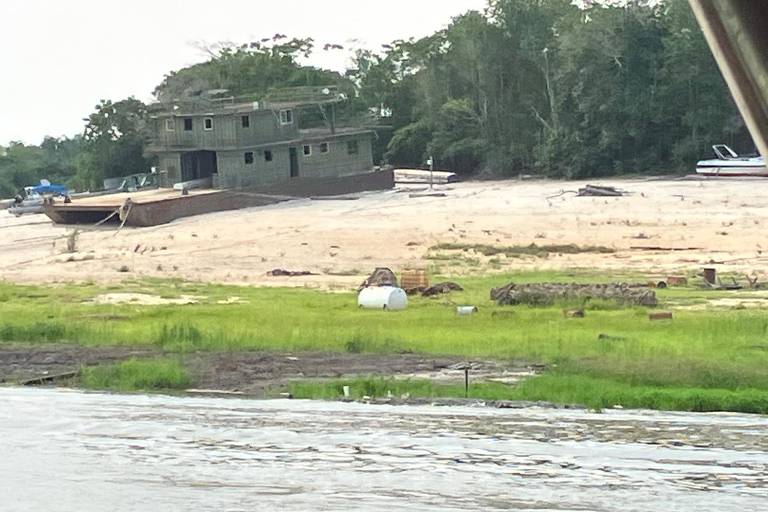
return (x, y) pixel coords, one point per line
(268, 155)
(246, 121)
(352, 147)
(723, 152)
(208, 124)
(307, 150)
(325, 147)
(188, 126)
(170, 125)
(249, 158)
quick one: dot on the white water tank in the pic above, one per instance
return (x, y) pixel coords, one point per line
(387, 298)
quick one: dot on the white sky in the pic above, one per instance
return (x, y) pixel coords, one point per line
(58, 58)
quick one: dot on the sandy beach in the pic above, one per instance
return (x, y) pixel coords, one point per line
(663, 226)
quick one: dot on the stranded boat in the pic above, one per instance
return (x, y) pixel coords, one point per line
(729, 163)
(34, 198)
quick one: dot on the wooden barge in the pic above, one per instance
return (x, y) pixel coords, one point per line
(161, 206)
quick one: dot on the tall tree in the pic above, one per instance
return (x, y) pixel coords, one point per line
(114, 142)
(698, 110)
(250, 69)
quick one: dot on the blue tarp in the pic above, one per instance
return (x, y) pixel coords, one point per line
(56, 190)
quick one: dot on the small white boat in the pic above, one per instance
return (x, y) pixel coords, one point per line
(33, 200)
(32, 203)
(728, 163)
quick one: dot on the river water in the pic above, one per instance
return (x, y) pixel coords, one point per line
(68, 451)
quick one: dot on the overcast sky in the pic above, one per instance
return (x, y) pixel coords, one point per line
(59, 57)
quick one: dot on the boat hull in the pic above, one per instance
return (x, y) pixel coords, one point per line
(18, 211)
(733, 171)
(28, 206)
(732, 167)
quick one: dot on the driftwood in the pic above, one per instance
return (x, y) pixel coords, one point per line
(335, 198)
(289, 273)
(600, 191)
(665, 249)
(442, 288)
(428, 194)
(592, 191)
(47, 379)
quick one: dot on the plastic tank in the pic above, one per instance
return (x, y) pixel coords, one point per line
(387, 298)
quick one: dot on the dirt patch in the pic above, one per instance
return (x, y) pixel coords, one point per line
(25, 362)
(232, 301)
(252, 373)
(745, 303)
(143, 299)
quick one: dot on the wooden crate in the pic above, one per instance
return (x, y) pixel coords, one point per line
(413, 279)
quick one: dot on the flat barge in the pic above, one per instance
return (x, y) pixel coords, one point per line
(161, 206)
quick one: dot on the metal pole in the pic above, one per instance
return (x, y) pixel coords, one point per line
(431, 171)
(466, 382)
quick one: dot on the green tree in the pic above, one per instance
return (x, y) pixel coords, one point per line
(114, 142)
(251, 69)
(698, 109)
(458, 137)
(607, 79)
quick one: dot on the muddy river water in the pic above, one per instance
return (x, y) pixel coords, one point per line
(69, 451)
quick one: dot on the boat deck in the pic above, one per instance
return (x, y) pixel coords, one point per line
(160, 206)
(115, 201)
(152, 207)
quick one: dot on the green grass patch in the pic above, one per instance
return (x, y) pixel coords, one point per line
(599, 394)
(381, 387)
(722, 349)
(42, 331)
(555, 388)
(514, 251)
(136, 375)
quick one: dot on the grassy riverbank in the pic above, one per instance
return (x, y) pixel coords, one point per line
(710, 357)
(558, 388)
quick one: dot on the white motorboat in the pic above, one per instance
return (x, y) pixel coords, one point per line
(33, 200)
(32, 203)
(728, 163)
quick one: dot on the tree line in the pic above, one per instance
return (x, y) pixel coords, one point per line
(545, 87)
(527, 86)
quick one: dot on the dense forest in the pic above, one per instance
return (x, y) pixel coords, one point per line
(528, 86)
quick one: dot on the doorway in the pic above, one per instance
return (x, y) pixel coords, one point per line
(198, 165)
(294, 156)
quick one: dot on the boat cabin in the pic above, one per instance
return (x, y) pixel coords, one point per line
(241, 143)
